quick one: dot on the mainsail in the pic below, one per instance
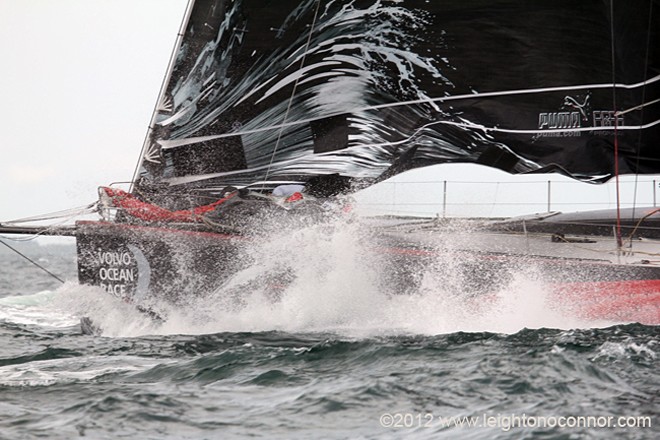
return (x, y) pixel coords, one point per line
(266, 91)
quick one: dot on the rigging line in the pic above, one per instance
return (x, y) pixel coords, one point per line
(641, 117)
(34, 262)
(293, 92)
(67, 214)
(619, 241)
(641, 220)
(638, 107)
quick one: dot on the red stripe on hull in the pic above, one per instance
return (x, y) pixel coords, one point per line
(634, 301)
(160, 229)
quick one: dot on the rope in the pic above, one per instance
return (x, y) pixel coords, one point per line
(293, 93)
(638, 107)
(219, 226)
(630, 238)
(619, 241)
(34, 262)
(66, 214)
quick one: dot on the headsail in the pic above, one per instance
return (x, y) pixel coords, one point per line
(265, 90)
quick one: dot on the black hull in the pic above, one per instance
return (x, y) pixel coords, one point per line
(137, 263)
(141, 264)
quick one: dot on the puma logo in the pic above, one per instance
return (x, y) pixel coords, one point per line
(569, 101)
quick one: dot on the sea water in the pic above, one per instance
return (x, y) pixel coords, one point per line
(332, 358)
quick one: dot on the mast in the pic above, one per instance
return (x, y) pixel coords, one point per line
(163, 89)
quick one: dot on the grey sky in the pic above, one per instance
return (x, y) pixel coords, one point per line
(79, 80)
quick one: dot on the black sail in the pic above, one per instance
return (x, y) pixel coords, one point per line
(286, 90)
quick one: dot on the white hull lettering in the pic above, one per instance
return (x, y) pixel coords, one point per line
(115, 258)
(116, 274)
(118, 290)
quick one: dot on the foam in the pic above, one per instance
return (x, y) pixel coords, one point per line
(71, 370)
(337, 287)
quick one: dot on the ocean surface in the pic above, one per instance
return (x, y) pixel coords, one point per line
(327, 364)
